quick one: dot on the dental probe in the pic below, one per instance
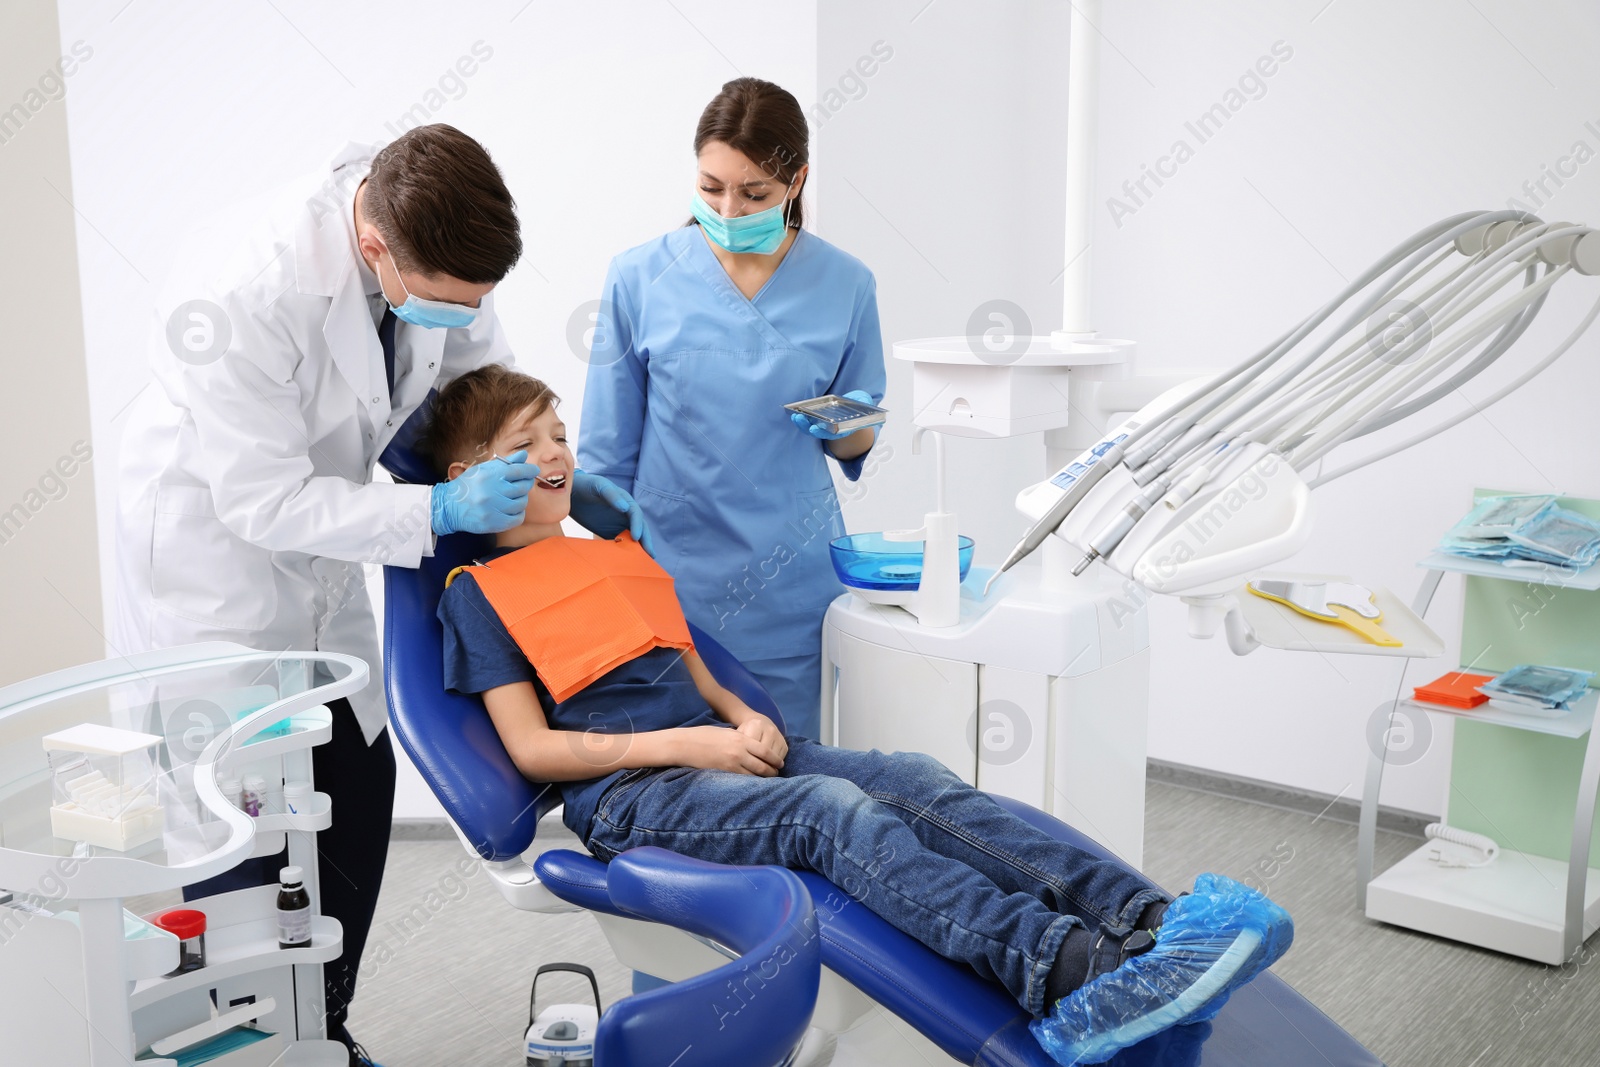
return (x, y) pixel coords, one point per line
(537, 477)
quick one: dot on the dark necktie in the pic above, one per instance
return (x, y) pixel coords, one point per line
(386, 338)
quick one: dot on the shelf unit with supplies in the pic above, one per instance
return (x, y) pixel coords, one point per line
(85, 981)
(1516, 778)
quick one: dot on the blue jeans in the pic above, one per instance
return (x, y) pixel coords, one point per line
(899, 832)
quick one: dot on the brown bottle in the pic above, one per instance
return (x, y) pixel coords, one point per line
(294, 910)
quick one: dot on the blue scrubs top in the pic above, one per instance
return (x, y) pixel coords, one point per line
(654, 691)
(683, 407)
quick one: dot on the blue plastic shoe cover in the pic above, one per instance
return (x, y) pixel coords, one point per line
(1210, 943)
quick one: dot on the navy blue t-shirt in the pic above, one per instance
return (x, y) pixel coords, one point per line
(654, 691)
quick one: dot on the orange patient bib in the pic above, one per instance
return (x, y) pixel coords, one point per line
(578, 607)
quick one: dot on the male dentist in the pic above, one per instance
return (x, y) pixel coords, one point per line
(296, 336)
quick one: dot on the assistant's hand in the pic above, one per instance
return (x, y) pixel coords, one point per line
(718, 748)
(817, 430)
(487, 497)
(602, 507)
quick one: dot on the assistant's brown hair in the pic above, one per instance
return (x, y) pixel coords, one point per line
(442, 207)
(764, 121)
(470, 410)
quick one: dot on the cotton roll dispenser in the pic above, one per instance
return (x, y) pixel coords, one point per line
(103, 786)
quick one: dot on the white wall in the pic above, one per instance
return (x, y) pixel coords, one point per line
(1384, 118)
(1387, 117)
(943, 171)
(589, 109)
(944, 174)
(47, 517)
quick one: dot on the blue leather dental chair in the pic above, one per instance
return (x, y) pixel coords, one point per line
(762, 913)
(869, 968)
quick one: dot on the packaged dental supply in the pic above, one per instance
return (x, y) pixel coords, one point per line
(242, 1045)
(1496, 516)
(1530, 531)
(1536, 689)
(1556, 535)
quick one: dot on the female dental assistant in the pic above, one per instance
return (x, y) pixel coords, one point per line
(705, 333)
(295, 338)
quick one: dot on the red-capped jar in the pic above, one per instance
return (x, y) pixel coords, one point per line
(189, 927)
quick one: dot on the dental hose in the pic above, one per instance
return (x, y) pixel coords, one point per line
(1173, 455)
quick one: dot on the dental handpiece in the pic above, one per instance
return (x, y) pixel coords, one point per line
(1057, 514)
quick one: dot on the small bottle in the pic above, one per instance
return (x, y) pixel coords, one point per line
(255, 791)
(294, 910)
(229, 785)
(296, 798)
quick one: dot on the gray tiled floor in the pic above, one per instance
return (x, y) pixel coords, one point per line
(446, 976)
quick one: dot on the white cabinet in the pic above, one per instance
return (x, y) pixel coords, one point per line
(82, 981)
(1039, 696)
(933, 707)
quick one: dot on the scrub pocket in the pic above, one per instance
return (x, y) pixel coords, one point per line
(664, 512)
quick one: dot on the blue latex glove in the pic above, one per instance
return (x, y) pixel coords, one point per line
(485, 498)
(604, 508)
(820, 432)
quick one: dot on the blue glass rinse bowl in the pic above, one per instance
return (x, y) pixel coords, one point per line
(871, 561)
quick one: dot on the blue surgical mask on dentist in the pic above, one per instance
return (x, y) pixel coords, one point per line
(762, 232)
(432, 314)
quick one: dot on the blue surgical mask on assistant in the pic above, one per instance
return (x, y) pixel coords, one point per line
(761, 232)
(431, 314)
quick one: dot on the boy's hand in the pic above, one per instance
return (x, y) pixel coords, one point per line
(765, 730)
(717, 748)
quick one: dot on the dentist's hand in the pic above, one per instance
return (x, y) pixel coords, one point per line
(487, 497)
(604, 508)
(817, 430)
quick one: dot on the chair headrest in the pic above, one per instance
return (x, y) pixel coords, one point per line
(401, 458)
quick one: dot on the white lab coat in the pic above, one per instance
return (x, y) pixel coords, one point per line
(246, 503)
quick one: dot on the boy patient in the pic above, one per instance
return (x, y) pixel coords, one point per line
(585, 664)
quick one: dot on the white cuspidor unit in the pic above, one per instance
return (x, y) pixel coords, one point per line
(1038, 696)
(1036, 688)
(85, 982)
(1039, 689)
